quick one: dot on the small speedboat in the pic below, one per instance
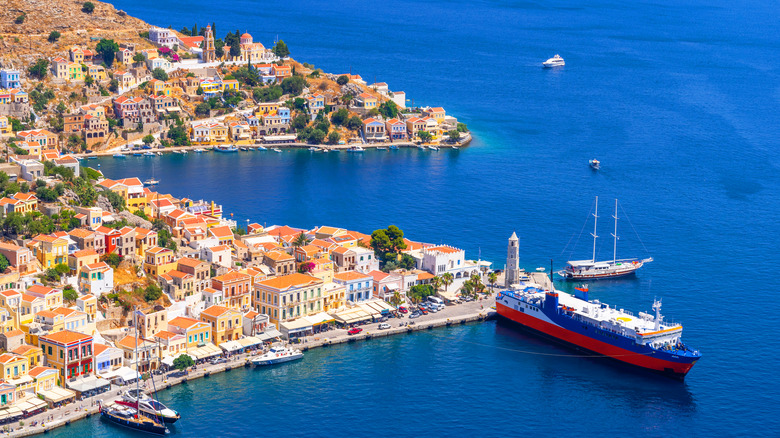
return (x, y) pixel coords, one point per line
(313, 149)
(277, 150)
(226, 149)
(159, 154)
(381, 148)
(243, 148)
(177, 152)
(594, 164)
(555, 61)
(138, 155)
(393, 147)
(540, 269)
(149, 154)
(355, 149)
(277, 355)
(120, 156)
(262, 148)
(199, 151)
(419, 146)
(151, 182)
(433, 147)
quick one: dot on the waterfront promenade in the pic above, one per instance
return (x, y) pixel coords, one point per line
(455, 314)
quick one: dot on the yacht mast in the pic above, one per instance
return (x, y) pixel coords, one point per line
(137, 389)
(615, 236)
(595, 221)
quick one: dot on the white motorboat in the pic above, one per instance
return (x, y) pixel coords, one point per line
(262, 148)
(151, 182)
(277, 150)
(199, 151)
(277, 355)
(136, 398)
(555, 61)
(120, 156)
(433, 147)
(594, 164)
(149, 154)
(356, 149)
(313, 149)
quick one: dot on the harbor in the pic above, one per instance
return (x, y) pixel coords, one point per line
(453, 315)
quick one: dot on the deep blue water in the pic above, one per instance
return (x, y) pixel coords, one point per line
(679, 100)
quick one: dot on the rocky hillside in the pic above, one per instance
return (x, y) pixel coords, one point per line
(25, 26)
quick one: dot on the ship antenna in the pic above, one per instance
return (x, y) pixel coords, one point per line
(595, 222)
(552, 285)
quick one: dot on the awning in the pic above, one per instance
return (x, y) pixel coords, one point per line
(295, 326)
(208, 350)
(269, 334)
(353, 315)
(230, 346)
(10, 412)
(32, 404)
(89, 383)
(320, 318)
(125, 373)
(21, 380)
(168, 360)
(249, 341)
(57, 394)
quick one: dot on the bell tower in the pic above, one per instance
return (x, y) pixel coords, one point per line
(512, 273)
(209, 55)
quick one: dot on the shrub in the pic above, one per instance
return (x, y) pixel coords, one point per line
(54, 36)
(88, 7)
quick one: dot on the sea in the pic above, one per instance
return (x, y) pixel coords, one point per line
(677, 99)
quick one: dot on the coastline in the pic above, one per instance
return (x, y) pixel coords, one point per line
(459, 314)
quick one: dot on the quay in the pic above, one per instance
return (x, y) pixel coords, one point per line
(295, 145)
(455, 314)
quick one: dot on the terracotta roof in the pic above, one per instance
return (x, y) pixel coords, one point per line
(179, 274)
(8, 357)
(99, 348)
(221, 232)
(219, 248)
(278, 256)
(66, 337)
(47, 314)
(165, 334)
(40, 289)
(190, 262)
(232, 276)
(24, 348)
(285, 282)
(424, 276)
(85, 253)
(183, 322)
(81, 232)
(100, 266)
(14, 332)
(378, 275)
(37, 371)
(443, 249)
(215, 311)
(350, 275)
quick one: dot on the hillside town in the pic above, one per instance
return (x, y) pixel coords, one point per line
(82, 277)
(190, 88)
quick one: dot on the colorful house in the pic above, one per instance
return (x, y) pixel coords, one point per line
(288, 297)
(366, 101)
(96, 279)
(226, 324)
(197, 333)
(79, 259)
(49, 250)
(69, 352)
(159, 261)
(236, 289)
(374, 130)
(44, 378)
(396, 129)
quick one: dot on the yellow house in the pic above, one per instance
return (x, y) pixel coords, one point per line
(144, 239)
(75, 72)
(52, 297)
(88, 304)
(159, 261)
(44, 378)
(29, 202)
(229, 84)
(76, 55)
(14, 370)
(196, 333)
(5, 127)
(287, 297)
(79, 259)
(437, 114)
(366, 100)
(160, 88)
(97, 72)
(225, 323)
(33, 354)
(30, 305)
(49, 250)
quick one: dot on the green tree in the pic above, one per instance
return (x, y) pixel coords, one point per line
(267, 94)
(152, 293)
(354, 123)
(69, 293)
(199, 91)
(462, 127)
(113, 260)
(294, 85)
(280, 49)
(342, 80)
(54, 36)
(20, 19)
(300, 121)
(334, 137)
(454, 135)
(160, 74)
(316, 136)
(388, 109)
(39, 69)
(88, 81)
(148, 139)
(107, 48)
(203, 109)
(219, 48)
(139, 57)
(339, 117)
(492, 279)
(420, 292)
(4, 263)
(62, 268)
(446, 280)
(88, 7)
(183, 362)
(425, 136)
(116, 200)
(141, 214)
(300, 240)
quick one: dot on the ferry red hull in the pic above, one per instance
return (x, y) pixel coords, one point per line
(678, 370)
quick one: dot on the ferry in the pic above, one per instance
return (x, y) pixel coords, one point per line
(277, 355)
(645, 341)
(580, 270)
(555, 61)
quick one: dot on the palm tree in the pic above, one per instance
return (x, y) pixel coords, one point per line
(436, 283)
(492, 278)
(395, 300)
(468, 289)
(446, 280)
(476, 281)
(300, 240)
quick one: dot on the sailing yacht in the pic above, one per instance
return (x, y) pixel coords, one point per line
(579, 270)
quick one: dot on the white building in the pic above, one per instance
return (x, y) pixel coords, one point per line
(162, 63)
(365, 260)
(358, 286)
(96, 279)
(442, 259)
(219, 255)
(212, 297)
(163, 37)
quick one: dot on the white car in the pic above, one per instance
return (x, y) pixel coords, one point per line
(384, 326)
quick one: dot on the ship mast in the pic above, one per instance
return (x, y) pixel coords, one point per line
(595, 222)
(137, 389)
(615, 236)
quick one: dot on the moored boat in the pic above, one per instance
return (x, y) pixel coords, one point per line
(393, 147)
(120, 156)
(151, 182)
(128, 417)
(226, 148)
(148, 406)
(356, 149)
(148, 154)
(592, 269)
(262, 148)
(645, 341)
(277, 355)
(199, 151)
(277, 150)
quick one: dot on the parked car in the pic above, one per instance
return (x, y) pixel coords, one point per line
(384, 326)
(424, 311)
(218, 360)
(403, 309)
(354, 330)
(415, 315)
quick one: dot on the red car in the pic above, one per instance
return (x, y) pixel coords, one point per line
(424, 311)
(354, 330)
(403, 309)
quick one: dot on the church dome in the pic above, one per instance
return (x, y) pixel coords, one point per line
(246, 39)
